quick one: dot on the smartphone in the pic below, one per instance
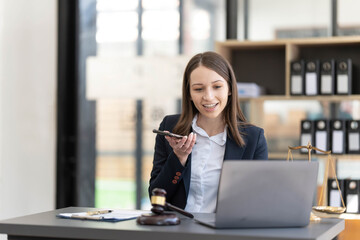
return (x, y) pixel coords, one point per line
(167, 133)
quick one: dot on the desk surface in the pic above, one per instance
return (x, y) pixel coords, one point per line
(47, 225)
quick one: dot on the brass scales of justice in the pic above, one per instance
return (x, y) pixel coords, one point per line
(322, 208)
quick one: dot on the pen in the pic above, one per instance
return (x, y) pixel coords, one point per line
(87, 217)
(91, 213)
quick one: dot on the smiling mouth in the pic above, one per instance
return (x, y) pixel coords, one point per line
(210, 105)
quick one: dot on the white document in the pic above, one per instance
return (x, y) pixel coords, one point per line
(352, 203)
(342, 84)
(354, 142)
(321, 139)
(334, 200)
(311, 84)
(296, 84)
(115, 215)
(305, 139)
(326, 84)
(338, 142)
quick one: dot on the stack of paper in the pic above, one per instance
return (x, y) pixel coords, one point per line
(104, 215)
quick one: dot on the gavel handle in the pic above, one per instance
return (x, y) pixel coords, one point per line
(172, 207)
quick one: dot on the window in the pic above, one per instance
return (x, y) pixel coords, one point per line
(154, 29)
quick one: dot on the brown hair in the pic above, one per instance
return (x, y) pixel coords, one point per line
(233, 115)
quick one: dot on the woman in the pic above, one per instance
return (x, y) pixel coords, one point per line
(211, 117)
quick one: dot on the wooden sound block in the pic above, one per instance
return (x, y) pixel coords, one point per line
(163, 219)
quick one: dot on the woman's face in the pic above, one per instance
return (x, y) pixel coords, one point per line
(209, 92)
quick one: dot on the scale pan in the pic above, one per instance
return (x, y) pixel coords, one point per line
(329, 209)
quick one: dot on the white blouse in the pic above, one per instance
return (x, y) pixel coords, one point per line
(206, 163)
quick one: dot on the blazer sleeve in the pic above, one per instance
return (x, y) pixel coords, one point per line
(261, 151)
(167, 170)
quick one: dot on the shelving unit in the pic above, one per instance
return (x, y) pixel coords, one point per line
(267, 63)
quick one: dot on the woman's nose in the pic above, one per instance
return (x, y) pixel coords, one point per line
(208, 94)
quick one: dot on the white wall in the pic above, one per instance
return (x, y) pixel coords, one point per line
(1, 87)
(266, 16)
(28, 58)
(348, 12)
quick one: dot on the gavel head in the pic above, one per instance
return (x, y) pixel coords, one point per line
(158, 200)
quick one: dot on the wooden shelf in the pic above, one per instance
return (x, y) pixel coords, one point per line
(352, 230)
(299, 41)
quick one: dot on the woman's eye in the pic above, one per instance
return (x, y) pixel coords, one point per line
(217, 87)
(197, 89)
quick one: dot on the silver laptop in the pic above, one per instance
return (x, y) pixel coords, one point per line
(258, 194)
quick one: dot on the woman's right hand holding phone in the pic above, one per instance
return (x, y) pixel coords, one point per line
(182, 147)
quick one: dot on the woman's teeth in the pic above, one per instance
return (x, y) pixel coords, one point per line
(210, 105)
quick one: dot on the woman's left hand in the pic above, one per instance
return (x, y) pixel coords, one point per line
(182, 147)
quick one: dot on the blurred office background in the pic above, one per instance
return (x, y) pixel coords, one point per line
(81, 88)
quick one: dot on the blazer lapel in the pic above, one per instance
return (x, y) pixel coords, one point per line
(187, 176)
(232, 150)
(187, 173)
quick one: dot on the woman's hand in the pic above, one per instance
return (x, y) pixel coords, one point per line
(182, 147)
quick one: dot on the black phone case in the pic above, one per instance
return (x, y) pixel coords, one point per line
(167, 133)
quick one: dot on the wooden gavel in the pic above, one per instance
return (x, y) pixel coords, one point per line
(158, 202)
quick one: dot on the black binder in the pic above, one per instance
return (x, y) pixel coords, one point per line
(352, 196)
(338, 136)
(297, 77)
(353, 136)
(322, 135)
(327, 77)
(312, 77)
(307, 134)
(344, 77)
(334, 198)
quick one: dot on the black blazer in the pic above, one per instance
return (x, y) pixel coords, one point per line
(169, 174)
